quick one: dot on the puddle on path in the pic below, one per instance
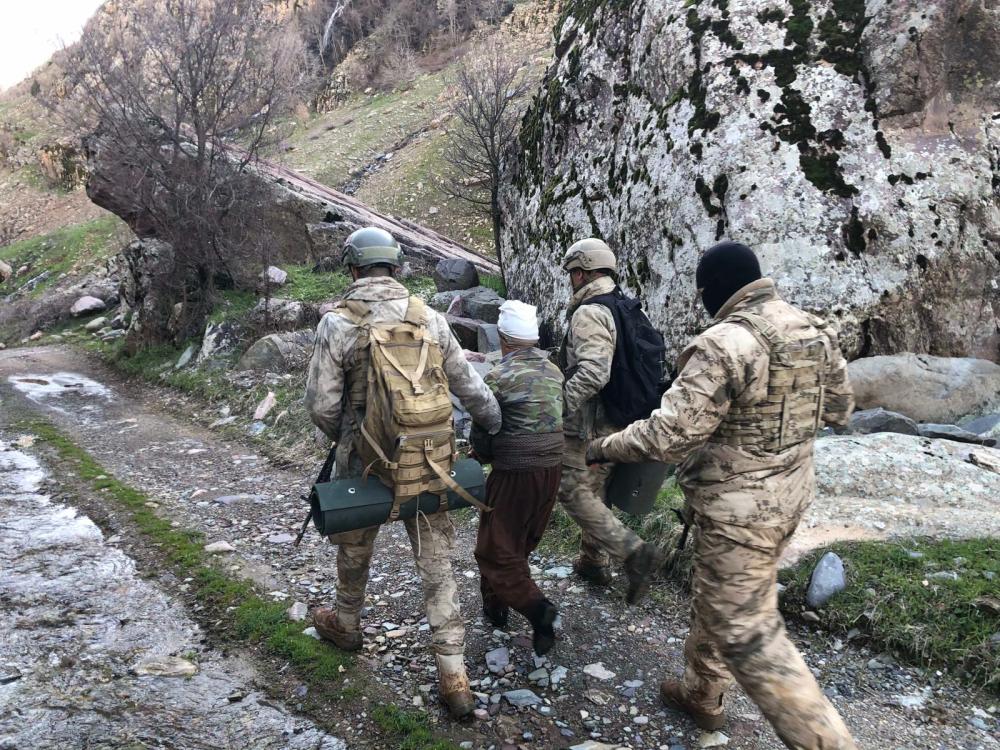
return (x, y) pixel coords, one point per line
(62, 391)
(79, 624)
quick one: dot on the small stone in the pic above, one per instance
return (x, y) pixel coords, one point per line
(559, 571)
(557, 675)
(218, 547)
(539, 674)
(522, 698)
(810, 616)
(312, 633)
(827, 579)
(265, 406)
(599, 671)
(281, 538)
(713, 739)
(481, 714)
(96, 324)
(297, 612)
(498, 659)
(167, 666)
(185, 358)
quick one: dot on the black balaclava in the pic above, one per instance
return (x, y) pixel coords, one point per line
(724, 270)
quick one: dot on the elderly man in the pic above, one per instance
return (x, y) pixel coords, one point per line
(527, 457)
(742, 416)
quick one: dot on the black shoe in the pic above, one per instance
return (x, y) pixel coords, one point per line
(640, 566)
(497, 615)
(599, 575)
(544, 637)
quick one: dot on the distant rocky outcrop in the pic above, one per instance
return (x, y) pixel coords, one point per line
(855, 145)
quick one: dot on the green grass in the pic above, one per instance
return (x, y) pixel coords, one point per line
(232, 304)
(306, 286)
(494, 282)
(893, 597)
(408, 729)
(60, 252)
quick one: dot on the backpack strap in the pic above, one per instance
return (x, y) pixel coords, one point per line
(354, 310)
(416, 313)
(450, 482)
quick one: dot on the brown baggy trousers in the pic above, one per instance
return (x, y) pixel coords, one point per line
(522, 503)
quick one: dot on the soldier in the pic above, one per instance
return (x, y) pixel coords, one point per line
(586, 359)
(335, 398)
(742, 416)
(527, 457)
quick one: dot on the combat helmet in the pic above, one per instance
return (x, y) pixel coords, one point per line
(372, 246)
(590, 254)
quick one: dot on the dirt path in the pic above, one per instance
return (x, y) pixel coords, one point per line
(234, 495)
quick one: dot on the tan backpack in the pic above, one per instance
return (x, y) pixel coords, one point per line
(407, 437)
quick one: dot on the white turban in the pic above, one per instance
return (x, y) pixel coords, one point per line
(518, 321)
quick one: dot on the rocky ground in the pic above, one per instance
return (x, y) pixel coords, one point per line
(599, 684)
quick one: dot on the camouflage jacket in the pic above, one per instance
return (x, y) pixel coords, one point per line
(587, 353)
(728, 365)
(336, 337)
(529, 389)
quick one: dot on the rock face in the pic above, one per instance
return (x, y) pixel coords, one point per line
(284, 314)
(852, 144)
(924, 388)
(869, 421)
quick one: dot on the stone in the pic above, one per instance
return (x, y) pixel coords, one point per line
(219, 547)
(599, 671)
(482, 303)
(959, 435)
(557, 675)
(713, 739)
(278, 352)
(868, 421)
(312, 633)
(86, 306)
(498, 659)
(283, 314)
(465, 330)
(488, 338)
(166, 666)
(35, 336)
(273, 276)
(265, 406)
(283, 538)
(559, 571)
(219, 339)
(326, 264)
(297, 612)
(96, 324)
(665, 127)
(442, 302)
(925, 388)
(988, 426)
(6, 272)
(827, 579)
(522, 698)
(455, 273)
(186, 356)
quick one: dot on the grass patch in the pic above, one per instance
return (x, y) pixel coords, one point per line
(894, 596)
(306, 286)
(232, 304)
(408, 729)
(494, 282)
(60, 252)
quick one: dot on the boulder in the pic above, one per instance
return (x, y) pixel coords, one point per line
(443, 301)
(273, 276)
(465, 330)
(488, 338)
(852, 145)
(482, 303)
(868, 421)
(988, 426)
(455, 273)
(5, 272)
(87, 306)
(283, 314)
(185, 359)
(219, 339)
(925, 388)
(96, 324)
(278, 352)
(890, 485)
(827, 579)
(953, 432)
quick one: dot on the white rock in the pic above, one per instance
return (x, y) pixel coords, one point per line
(186, 356)
(311, 632)
(265, 406)
(166, 666)
(599, 671)
(96, 324)
(274, 275)
(713, 739)
(86, 305)
(218, 547)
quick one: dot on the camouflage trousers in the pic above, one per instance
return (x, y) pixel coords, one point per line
(433, 541)
(581, 494)
(737, 632)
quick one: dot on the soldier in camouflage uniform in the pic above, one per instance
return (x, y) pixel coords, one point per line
(742, 416)
(527, 458)
(586, 358)
(335, 397)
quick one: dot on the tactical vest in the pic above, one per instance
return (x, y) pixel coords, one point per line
(792, 411)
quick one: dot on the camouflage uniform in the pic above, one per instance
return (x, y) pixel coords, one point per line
(526, 455)
(588, 352)
(745, 503)
(334, 373)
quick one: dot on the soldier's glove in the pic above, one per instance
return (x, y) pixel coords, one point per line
(595, 453)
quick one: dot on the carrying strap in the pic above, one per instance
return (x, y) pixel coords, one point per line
(450, 482)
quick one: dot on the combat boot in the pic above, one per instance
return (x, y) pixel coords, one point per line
(599, 575)
(541, 617)
(674, 695)
(329, 626)
(453, 685)
(640, 566)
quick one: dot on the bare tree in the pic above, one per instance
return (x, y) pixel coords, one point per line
(488, 109)
(178, 98)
